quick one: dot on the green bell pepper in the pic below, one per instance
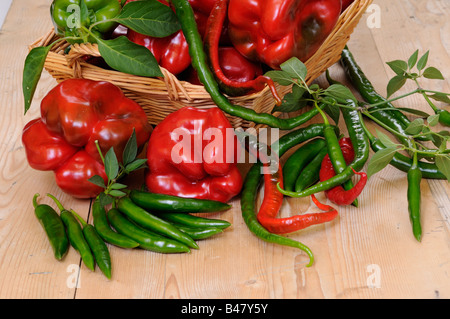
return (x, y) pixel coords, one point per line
(70, 16)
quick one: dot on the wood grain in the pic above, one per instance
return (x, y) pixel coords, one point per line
(367, 252)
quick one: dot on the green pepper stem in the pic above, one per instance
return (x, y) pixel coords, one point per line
(83, 223)
(57, 202)
(35, 199)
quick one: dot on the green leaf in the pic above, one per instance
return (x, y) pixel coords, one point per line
(130, 150)
(413, 59)
(34, 64)
(104, 199)
(395, 84)
(340, 93)
(292, 101)
(149, 17)
(125, 56)
(433, 119)
(116, 193)
(441, 97)
(333, 111)
(398, 66)
(380, 160)
(433, 73)
(111, 164)
(385, 139)
(414, 111)
(135, 165)
(443, 164)
(97, 180)
(295, 68)
(117, 186)
(415, 127)
(423, 61)
(281, 77)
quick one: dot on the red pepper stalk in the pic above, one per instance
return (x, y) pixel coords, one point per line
(272, 204)
(338, 195)
(231, 87)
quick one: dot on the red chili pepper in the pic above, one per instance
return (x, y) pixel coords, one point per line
(193, 153)
(271, 204)
(337, 194)
(74, 115)
(272, 31)
(229, 85)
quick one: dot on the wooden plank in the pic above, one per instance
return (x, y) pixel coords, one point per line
(367, 252)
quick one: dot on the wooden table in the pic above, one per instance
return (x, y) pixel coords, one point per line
(367, 252)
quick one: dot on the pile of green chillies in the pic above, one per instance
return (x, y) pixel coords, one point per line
(155, 222)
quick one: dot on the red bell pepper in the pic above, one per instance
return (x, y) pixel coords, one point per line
(193, 153)
(230, 85)
(272, 31)
(233, 65)
(172, 52)
(74, 115)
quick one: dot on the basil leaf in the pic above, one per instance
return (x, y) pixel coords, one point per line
(380, 160)
(34, 64)
(104, 199)
(116, 193)
(111, 164)
(150, 18)
(340, 92)
(433, 119)
(295, 68)
(130, 150)
(433, 73)
(413, 59)
(118, 186)
(135, 165)
(414, 111)
(125, 56)
(415, 127)
(398, 66)
(292, 101)
(281, 77)
(97, 180)
(385, 139)
(441, 97)
(443, 164)
(395, 84)
(423, 61)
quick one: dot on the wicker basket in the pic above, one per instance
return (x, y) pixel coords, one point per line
(162, 96)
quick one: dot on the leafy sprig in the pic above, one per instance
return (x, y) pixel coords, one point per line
(148, 17)
(115, 170)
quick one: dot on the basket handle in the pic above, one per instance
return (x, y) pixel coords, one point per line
(76, 54)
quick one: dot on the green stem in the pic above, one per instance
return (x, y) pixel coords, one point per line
(57, 202)
(83, 223)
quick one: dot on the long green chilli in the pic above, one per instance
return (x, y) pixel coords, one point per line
(253, 180)
(414, 177)
(186, 17)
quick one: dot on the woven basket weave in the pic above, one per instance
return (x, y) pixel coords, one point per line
(162, 96)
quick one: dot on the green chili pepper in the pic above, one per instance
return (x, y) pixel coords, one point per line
(361, 156)
(444, 117)
(75, 234)
(97, 245)
(104, 230)
(194, 221)
(53, 227)
(403, 162)
(414, 178)
(252, 182)
(248, 207)
(298, 160)
(386, 112)
(336, 156)
(199, 233)
(310, 174)
(186, 17)
(146, 239)
(168, 203)
(152, 222)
